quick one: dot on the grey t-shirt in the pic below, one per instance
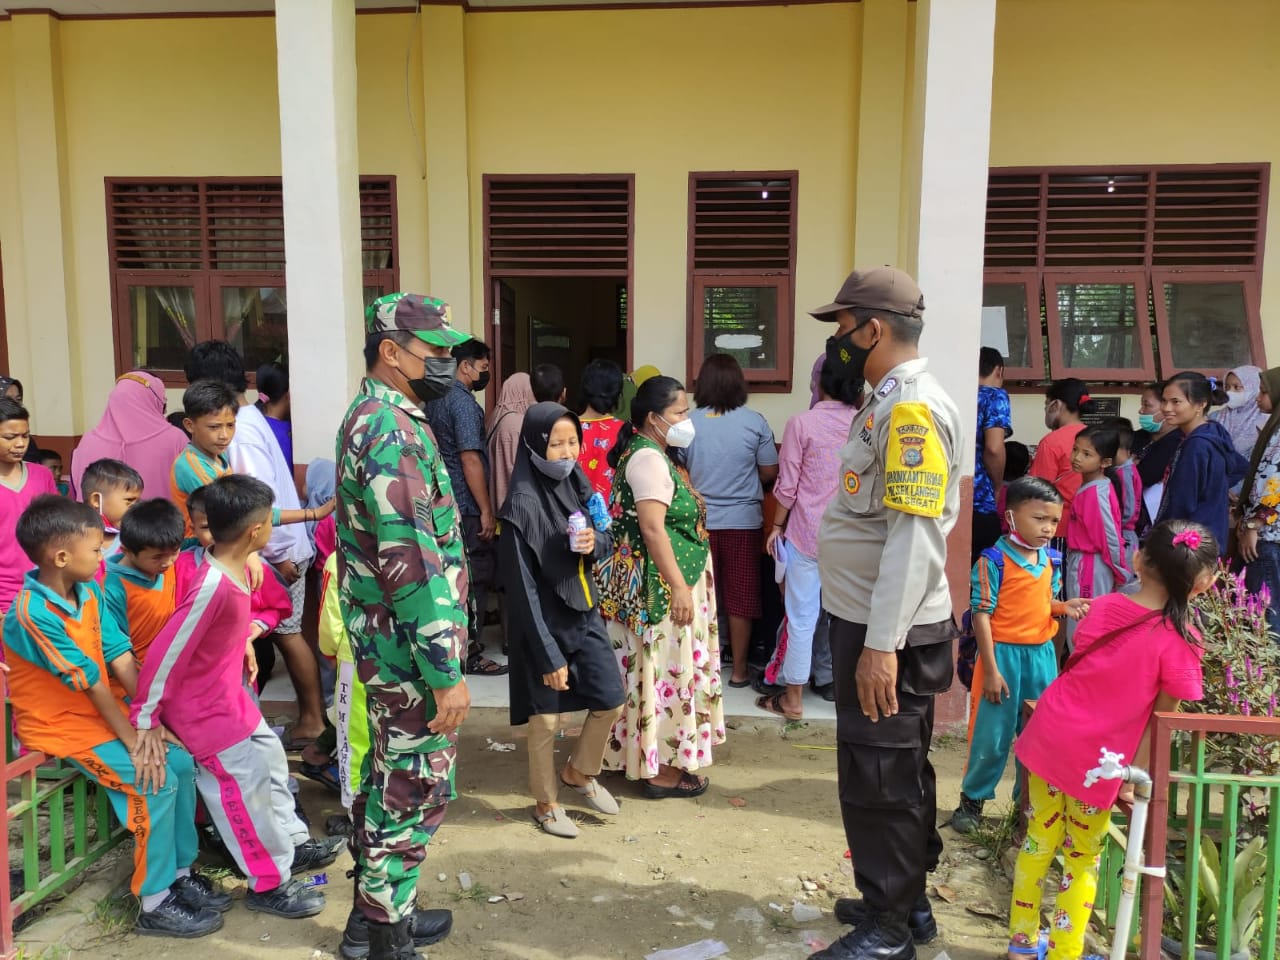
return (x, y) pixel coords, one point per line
(723, 459)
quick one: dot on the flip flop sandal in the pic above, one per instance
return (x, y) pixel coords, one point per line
(326, 774)
(597, 797)
(556, 822)
(482, 666)
(688, 786)
(740, 684)
(772, 703)
(294, 744)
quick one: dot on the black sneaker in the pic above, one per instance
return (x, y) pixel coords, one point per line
(875, 939)
(173, 918)
(198, 893)
(313, 854)
(827, 691)
(924, 928)
(968, 816)
(428, 927)
(291, 900)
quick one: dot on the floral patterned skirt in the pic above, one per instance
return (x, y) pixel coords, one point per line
(674, 713)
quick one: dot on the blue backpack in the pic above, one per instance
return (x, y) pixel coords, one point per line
(967, 651)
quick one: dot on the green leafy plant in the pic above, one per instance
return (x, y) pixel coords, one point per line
(1246, 905)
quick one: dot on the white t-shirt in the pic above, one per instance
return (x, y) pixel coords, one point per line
(256, 452)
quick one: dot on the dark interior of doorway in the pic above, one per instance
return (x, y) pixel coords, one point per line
(568, 321)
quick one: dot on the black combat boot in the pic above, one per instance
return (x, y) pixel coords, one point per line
(426, 928)
(391, 941)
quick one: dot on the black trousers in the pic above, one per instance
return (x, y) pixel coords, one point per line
(986, 531)
(888, 789)
(482, 558)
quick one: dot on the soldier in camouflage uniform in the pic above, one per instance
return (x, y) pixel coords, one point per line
(402, 581)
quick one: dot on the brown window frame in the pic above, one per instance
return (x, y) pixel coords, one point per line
(1013, 256)
(1141, 374)
(1253, 308)
(208, 280)
(1031, 285)
(780, 377)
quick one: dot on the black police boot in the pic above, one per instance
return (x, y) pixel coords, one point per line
(392, 941)
(924, 928)
(883, 936)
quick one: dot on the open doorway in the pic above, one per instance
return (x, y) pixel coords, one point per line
(558, 266)
(568, 321)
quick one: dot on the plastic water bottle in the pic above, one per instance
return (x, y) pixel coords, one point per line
(599, 511)
(577, 525)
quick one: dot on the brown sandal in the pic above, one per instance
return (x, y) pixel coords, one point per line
(772, 702)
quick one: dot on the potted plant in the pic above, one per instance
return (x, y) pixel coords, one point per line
(1246, 905)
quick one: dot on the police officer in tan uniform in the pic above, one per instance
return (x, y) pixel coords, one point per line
(882, 554)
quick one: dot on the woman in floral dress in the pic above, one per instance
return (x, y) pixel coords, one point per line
(658, 600)
(1258, 535)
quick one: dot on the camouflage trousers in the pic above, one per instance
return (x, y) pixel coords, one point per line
(401, 804)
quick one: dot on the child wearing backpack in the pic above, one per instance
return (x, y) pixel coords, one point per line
(1013, 607)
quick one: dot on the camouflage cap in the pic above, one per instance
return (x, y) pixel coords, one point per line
(427, 318)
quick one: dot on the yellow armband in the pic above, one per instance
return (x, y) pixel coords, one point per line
(915, 468)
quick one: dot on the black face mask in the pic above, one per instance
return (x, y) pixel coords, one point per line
(846, 358)
(436, 380)
(480, 382)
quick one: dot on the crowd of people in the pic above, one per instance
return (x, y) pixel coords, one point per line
(624, 542)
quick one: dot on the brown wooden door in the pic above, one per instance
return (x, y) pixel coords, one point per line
(502, 332)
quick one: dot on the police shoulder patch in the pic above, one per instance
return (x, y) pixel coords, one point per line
(916, 472)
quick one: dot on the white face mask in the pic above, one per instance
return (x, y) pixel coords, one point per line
(1013, 532)
(1235, 399)
(679, 435)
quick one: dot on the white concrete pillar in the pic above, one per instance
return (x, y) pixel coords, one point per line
(47, 369)
(316, 74)
(951, 140)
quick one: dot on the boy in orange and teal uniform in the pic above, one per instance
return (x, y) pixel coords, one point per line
(60, 651)
(1014, 610)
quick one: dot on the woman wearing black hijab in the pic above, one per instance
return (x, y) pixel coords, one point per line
(561, 657)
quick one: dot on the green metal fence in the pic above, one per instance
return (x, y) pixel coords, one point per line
(46, 791)
(1217, 833)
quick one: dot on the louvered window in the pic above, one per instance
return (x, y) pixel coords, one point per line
(204, 258)
(558, 226)
(1123, 273)
(742, 249)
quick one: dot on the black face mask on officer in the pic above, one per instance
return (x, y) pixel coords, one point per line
(436, 380)
(847, 359)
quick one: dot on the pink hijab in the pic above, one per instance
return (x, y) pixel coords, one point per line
(133, 429)
(504, 434)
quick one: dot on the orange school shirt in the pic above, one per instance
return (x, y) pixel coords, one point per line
(56, 650)
(139, 604)
(192, 470)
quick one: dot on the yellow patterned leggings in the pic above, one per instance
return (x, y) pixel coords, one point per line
(1056, 821)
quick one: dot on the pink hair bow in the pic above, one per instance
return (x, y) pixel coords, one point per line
(1189, 537)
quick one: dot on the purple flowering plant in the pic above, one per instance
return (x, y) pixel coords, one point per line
(1242, 677)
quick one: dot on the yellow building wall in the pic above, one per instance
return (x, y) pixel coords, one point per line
(657, 93)
(660, 93)
(192, 97)
(1140, 81)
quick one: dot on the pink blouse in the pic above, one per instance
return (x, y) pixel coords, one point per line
(809, 468)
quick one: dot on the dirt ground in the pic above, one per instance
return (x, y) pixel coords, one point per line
(729, 866)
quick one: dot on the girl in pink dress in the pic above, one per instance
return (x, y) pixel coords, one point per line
(1134, 655)
(1096, 563)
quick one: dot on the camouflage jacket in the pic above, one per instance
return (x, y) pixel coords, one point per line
(402, 573)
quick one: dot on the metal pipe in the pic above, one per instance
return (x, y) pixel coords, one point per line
(1110, 767)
